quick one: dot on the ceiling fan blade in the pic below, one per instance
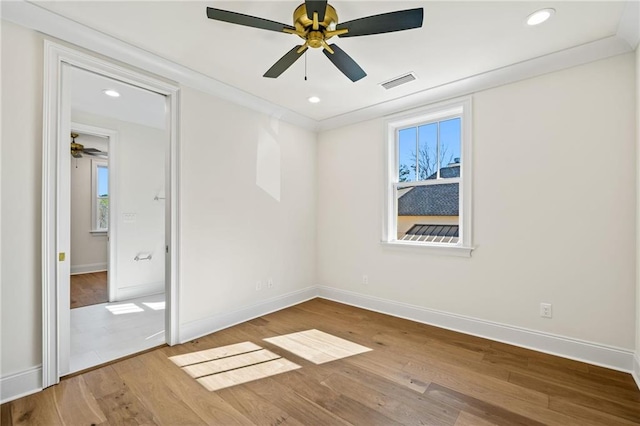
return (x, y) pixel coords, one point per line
(285, 62)
(316, 6)
(384, 23)
(95, 152)
(98, 154)
(246, 20)
(344, 63)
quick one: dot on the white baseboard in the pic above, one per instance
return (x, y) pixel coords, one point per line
(20, 384)
(88, 268)
(29, 381)
(195, 329)
(127, 293)
(592, 353)
(636, 369)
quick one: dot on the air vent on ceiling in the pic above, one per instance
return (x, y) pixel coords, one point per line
(395, 82)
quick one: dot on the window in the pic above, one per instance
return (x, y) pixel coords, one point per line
(100, 196)
(429, 178)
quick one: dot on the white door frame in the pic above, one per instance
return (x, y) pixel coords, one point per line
(56, 128)
(112, 135)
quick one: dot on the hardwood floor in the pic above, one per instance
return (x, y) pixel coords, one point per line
(88, 289)
(415, 374)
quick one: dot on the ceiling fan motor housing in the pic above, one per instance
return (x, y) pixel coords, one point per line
(304, 25)
(76, 149)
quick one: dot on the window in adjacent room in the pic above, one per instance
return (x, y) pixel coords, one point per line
(100, 196)
(429, 187)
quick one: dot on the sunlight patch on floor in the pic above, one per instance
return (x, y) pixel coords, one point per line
(125, 308)
(317, 346)
(156, 306)
(231, 365)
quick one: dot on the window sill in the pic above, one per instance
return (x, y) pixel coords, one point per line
(441, 249)
(98, 232)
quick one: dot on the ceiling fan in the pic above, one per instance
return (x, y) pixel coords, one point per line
(316, 22)
(78, 149)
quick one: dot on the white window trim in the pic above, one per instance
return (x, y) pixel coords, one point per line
(94, 196)
(439, 111)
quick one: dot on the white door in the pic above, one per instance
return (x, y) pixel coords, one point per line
(64, 225)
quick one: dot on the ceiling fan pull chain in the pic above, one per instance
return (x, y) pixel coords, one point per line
(305, 65)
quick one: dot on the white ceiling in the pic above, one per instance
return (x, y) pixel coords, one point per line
(134, 104)
(458, 40)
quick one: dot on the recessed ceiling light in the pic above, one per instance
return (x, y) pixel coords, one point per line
(540, 16)
(314, 99)
(111, 92)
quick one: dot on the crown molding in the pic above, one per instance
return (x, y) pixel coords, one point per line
(629, 25)
(35, 17)
(32, 16)
(596, 50)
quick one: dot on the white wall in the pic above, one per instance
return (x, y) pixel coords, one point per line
(137, 163)
(22, 64)
(88, 251)
(554, 210)
(233, 232)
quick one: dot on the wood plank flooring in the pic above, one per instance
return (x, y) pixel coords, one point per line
(317, 346)
(414, 375)
(89, 289)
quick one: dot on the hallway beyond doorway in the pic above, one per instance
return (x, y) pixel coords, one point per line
(108, 331)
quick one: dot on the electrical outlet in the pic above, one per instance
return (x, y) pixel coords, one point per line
(258, 285)
(270, 283)
(365, 279)
(545, 310)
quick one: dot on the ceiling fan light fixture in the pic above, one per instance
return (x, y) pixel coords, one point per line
(111, 92)
(314, 99)
(316, 21)
(540, 16)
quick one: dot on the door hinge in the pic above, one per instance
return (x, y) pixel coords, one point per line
(61, 256)
(167, 249)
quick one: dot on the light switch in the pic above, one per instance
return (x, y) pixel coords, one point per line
(129, 217)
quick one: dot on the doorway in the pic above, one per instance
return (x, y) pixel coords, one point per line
(117, 306)
(141, 204)
(89, 217)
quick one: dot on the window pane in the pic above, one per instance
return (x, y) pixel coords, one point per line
(102, 213)
(407, 155)
(103, 181)
(428, 153)
(450, 137)
(429, 213)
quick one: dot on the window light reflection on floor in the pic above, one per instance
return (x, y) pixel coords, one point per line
(156, 306)
(154, 335)
(125, 308)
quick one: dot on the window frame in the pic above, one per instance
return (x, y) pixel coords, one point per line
(95, 164)
(461, 107)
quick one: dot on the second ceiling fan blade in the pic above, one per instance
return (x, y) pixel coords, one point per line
(246, 20)
(384, 23)
(344, 63)
(283, 63)
(316, 6)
